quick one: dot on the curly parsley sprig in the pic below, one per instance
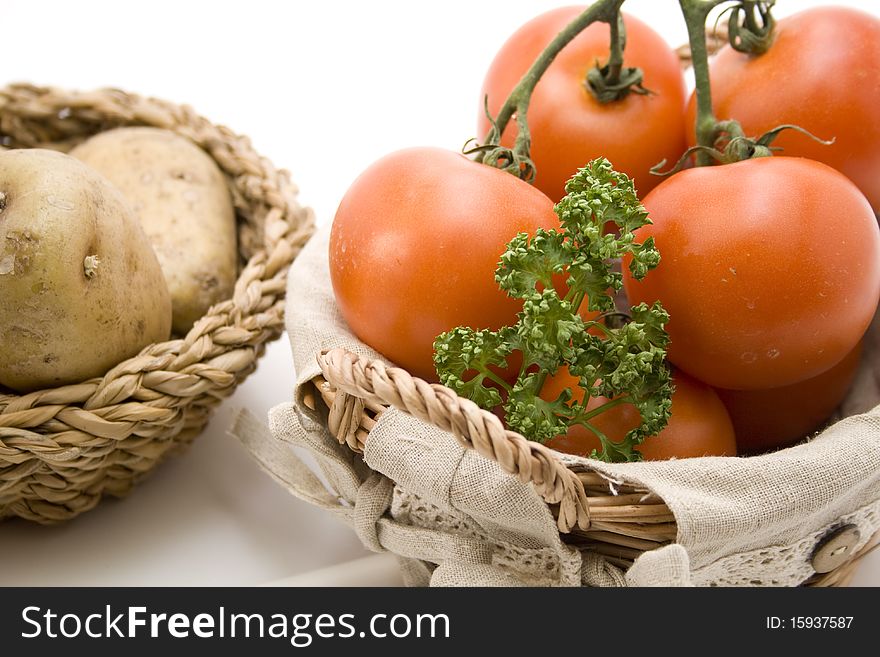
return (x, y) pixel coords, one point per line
(625, 364)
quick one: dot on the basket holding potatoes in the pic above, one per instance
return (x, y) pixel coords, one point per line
(143, 259)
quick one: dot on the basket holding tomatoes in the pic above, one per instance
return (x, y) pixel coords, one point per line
(548, 275)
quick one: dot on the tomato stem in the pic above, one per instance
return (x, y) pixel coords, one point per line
(612, 81)
(696, 12)
(615, 53)
(518, 160)
(752, 34)
(751, 30)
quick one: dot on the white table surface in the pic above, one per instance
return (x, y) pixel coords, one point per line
(322, 89)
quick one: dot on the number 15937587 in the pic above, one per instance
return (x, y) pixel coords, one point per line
(809, 622)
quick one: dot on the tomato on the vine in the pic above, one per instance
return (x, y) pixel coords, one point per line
(771, 419)
(414, 246)
(698, 424)
(770, 270)
(568, 125)
(820, 73)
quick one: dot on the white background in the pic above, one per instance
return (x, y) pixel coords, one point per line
(322, 89)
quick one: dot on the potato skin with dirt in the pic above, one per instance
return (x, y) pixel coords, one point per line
(185, 208)
(80, 288)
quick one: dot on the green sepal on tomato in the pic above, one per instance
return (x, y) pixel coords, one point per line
(771, 270)
(569, 126)
(821, 74)
(414, 246)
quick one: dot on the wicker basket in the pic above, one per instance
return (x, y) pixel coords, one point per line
(619, 521)
(463, 522)
(62, 449)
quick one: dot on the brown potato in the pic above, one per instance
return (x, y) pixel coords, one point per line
(80, 287)
(185, 208)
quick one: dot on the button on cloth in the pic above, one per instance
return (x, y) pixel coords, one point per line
(835, 549)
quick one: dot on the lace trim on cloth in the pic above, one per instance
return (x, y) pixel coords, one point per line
(532, 566)
(783, 565)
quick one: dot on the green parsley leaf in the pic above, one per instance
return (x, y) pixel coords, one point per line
(626, 364)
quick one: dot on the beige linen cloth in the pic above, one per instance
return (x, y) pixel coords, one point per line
(455, 518)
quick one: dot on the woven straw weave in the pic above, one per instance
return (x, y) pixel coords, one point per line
(62, 449)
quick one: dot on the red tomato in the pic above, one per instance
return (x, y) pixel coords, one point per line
(568, 126)
(698, 424)
(821, 73)
(414, 247)
(770, 419)
(770, 270)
